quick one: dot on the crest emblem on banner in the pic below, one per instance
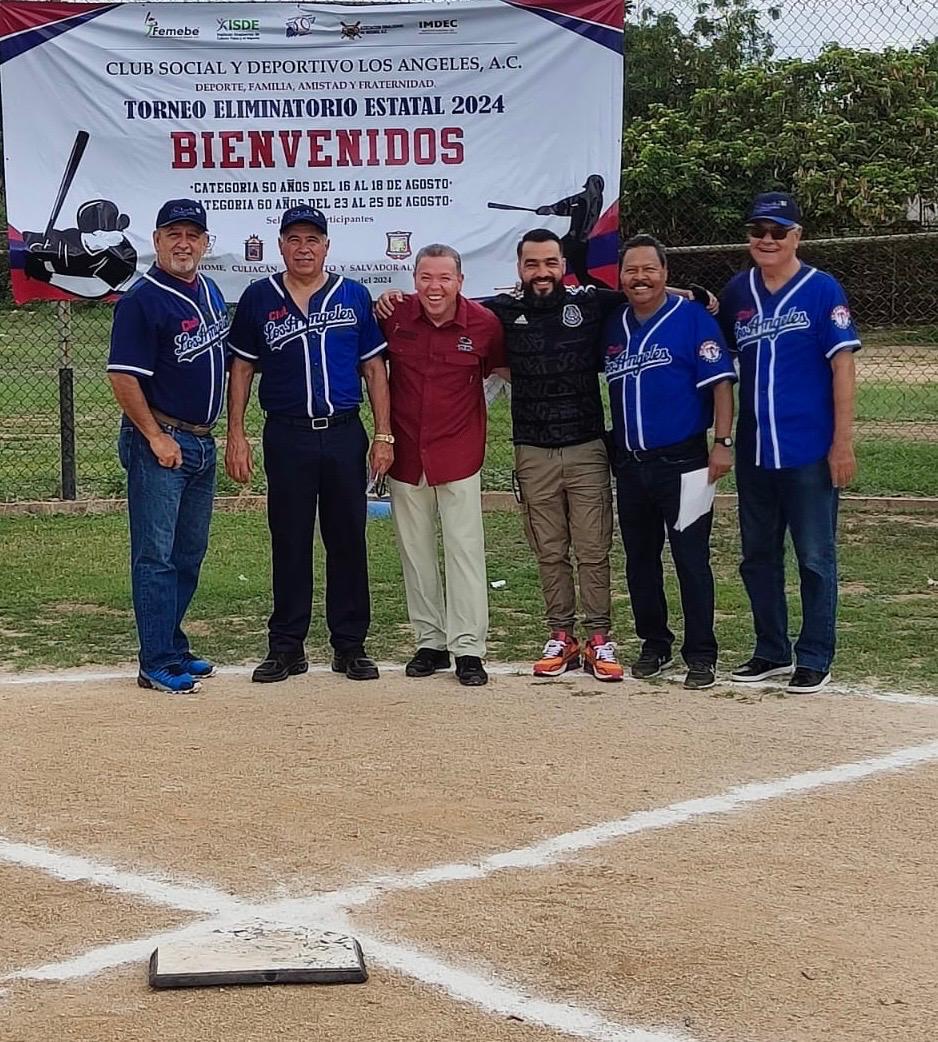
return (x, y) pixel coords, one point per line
(398, 245)
(572, 316)
(254, 249)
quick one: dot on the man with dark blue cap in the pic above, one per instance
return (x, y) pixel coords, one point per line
(167, 371)
(795, 338)
(312, 336)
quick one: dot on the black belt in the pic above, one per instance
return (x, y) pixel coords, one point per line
(314, 423)
(690, 446)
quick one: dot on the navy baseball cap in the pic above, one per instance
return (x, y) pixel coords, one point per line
(182, 210)
(306, 215)
(775, 206)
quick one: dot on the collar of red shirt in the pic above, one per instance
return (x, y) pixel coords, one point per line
(460, 319)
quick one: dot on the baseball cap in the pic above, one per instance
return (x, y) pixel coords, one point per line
(775, 206)
(306, 214)
(182, 210)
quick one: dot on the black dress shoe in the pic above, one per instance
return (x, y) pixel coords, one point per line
(426, 662)
(355, 664)
(279, 665)
(470, 672)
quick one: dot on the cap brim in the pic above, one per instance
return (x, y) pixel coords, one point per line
(783, 221)
(184, 220)
(302, 220)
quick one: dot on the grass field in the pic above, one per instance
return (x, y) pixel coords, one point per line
(897, 411)
(65, 600)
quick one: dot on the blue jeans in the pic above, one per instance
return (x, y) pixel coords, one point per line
(803, 501)
(170, 513)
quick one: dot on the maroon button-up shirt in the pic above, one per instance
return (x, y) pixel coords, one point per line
(438, 409)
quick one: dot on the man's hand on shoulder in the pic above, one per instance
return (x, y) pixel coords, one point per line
(699, 294)
(387, 302)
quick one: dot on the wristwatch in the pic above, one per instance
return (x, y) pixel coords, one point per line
(388, 438)
(728, 442)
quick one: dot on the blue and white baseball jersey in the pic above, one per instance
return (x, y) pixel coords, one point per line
(661, 373)
(172, 336)
(309, 364)
(785, 342)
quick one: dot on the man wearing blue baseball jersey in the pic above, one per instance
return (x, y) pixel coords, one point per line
(167, 371)
(794, 334)
(312, 335)
(670, 378)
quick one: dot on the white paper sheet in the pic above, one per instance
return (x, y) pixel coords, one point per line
(696, 498)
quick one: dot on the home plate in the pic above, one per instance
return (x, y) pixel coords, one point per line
(259, 955)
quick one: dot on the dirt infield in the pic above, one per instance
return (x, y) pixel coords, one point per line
(530, 861)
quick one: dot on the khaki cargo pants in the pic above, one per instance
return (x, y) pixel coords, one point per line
(566, 498)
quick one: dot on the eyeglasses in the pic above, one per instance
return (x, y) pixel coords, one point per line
(759, 231)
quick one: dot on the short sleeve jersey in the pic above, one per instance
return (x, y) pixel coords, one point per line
(309, 364)
(785, 342)
(661, 373)
(171, 335)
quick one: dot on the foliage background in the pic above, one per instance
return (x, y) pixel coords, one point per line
(715, 111)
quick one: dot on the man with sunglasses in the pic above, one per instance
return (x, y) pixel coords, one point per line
(795, 337)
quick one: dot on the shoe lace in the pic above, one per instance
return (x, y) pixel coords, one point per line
(554, 648)
(605, 652)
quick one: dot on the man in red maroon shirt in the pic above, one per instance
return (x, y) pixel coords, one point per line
(441, 346)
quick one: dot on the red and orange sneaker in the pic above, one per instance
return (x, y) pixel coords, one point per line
(600, 658)
(561, 652)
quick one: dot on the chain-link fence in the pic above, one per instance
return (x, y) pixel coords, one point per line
(834, 100)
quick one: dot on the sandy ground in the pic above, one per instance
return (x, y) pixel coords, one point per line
(799, 919)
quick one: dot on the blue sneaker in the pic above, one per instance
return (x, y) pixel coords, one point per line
(200, 668)
(173, 679)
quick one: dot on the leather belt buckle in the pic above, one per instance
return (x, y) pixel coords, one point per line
(320, 423)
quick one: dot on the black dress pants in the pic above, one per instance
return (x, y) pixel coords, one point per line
(325, 469)
(648, 495)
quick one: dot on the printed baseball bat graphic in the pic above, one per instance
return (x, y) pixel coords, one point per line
(78, 150)
(508, 206)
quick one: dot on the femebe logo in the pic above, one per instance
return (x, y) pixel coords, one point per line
(238, 29)
(438, 25)
(154, 29)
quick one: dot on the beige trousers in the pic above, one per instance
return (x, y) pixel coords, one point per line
(460, 621)
(567, 502)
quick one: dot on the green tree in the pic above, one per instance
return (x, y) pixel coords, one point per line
(666, 64)
(854, 134)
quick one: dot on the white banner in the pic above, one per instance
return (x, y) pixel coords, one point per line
(405, 124)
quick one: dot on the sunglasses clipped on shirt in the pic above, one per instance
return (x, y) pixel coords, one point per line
(759, 231)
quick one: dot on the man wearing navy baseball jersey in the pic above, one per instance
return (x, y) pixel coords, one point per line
(440, 349)
(794, 334)
(167, 371)
(312, 336)
(670, 378)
